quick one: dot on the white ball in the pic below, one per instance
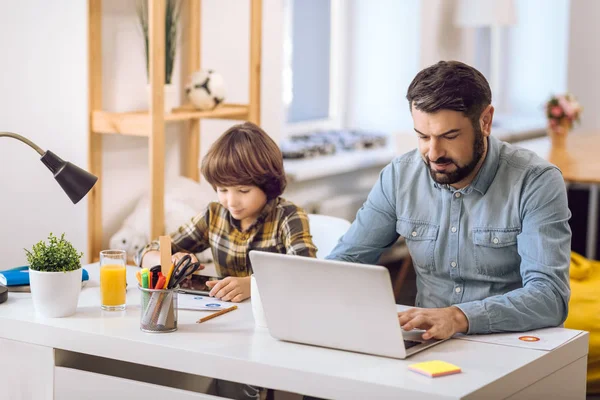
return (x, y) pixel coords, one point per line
(205, 89)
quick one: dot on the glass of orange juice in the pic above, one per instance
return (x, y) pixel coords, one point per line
(113, 281)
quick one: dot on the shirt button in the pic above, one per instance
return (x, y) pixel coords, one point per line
(453, 229)
(457, 195)
(414, 234)
(457, 290)
(453, 264)
(496, 240)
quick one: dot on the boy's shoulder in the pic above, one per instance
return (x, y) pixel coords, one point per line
(285, 208)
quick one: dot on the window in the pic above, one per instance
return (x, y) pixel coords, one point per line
(313, 67)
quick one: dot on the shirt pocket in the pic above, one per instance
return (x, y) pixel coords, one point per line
(495, 252)
(420, 239)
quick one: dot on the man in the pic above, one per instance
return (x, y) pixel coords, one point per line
(486, 223)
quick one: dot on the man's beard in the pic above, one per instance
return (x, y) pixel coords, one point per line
(461, 172)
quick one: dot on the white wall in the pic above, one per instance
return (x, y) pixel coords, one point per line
(440, 38)
(390, 42)
(536, 60)
(384, 57)
(43, 96)
(584, 60)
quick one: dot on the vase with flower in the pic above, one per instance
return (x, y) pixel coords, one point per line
(562, 112)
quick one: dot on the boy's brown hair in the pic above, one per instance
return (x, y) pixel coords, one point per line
(245, 155)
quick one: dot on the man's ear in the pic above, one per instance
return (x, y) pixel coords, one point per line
(485, 120)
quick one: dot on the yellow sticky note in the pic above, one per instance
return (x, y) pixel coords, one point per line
(435, 368)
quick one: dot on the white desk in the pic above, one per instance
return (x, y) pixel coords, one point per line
(229, 347)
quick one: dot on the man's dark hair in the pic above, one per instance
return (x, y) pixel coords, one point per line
(450, 85)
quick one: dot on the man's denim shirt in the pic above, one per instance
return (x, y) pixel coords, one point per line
(498, 249)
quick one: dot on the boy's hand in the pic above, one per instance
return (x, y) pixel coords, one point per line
(230, 289)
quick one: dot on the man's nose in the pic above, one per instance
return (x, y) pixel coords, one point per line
(436, 150)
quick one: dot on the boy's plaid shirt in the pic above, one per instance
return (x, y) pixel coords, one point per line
(282, 227)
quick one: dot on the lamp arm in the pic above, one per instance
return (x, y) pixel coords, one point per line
(24, 140)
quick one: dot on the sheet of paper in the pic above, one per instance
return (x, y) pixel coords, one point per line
(539, 339)
(197, 302)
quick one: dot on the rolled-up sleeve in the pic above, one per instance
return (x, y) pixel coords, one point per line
(374, 228)
(295, 233)
(189, 238)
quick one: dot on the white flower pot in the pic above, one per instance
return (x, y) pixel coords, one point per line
(171, 97)
(55, 294)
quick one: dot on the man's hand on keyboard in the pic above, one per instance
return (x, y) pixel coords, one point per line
(439, 323)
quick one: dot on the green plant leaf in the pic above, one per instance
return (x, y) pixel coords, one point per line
(172, 14)
(57, 255)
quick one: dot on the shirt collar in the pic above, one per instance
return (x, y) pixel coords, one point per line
(487, 172)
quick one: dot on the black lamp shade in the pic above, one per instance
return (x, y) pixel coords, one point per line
(75, 181)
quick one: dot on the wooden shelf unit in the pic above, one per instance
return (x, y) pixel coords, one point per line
(138, 123)
(151, 123)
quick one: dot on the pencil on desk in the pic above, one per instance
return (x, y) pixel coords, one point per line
(223, 311)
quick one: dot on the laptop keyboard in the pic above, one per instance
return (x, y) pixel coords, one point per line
(410, 343)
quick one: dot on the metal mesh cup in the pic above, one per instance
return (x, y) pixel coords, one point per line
(159, 310)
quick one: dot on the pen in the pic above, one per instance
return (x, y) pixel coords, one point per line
(225, 310)
(151, 309)
(169, 275)
(155, 271)
(160, 283)
(138, 276)
(145, 280)
(165, 308)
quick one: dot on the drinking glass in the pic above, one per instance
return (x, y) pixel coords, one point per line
(113, 280)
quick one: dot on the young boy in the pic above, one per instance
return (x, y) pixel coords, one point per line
(245, 167)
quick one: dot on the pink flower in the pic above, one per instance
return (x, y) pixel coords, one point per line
(566, 106)
(556, 111)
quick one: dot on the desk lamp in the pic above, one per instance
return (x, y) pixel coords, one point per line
(75, 181)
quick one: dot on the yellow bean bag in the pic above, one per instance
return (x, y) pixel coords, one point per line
(584, 311)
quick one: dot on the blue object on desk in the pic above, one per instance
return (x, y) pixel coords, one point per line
(19, 276)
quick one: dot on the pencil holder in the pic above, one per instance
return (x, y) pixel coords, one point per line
(159, 310)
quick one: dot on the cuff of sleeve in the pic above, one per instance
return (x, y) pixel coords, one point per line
(139, 256)
(477, 315)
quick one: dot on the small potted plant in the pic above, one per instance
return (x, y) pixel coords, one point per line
(54, 277)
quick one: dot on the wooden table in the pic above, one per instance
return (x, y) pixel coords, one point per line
(579, 162)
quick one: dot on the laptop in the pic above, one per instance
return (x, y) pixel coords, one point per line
(334, 304)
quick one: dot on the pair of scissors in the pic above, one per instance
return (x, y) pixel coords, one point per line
(183, 268)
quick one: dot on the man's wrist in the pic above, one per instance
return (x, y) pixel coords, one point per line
(461, 323)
